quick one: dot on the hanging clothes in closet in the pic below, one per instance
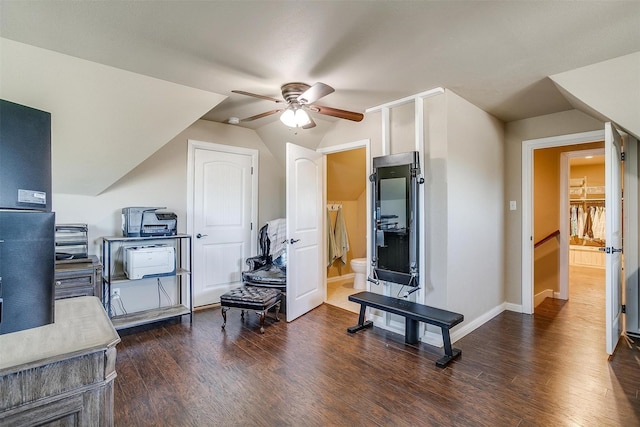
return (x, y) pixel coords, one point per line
(587, 221)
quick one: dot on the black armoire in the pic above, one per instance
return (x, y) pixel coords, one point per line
(27, 247)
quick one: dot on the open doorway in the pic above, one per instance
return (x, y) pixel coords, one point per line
(615, 276)
(587, 213)
(566, 201)
(347, 222)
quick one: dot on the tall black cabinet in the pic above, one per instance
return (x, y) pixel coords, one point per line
(27, 247)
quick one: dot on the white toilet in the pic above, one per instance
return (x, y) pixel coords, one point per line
(359, 267)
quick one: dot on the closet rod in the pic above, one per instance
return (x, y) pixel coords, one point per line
(587, 201)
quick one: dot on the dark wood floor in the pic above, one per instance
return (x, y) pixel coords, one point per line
(516, 370)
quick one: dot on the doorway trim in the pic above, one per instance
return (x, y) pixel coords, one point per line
(565, 171)
(366, 143)
(528, 147)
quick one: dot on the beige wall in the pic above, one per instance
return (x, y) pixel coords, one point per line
(161, 180)
(566, 122)
(463, 227)
(610, 88)
(594, 173)
(475, 202)
(104, 121)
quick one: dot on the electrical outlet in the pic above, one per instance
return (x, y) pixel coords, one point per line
(115, 293)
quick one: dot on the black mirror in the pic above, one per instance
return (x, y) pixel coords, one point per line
(395, 182)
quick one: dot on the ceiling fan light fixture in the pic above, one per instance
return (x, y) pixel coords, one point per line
(288, 117)
(302, 118)
(295, 117)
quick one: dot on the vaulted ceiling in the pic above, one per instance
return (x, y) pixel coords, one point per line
(496, 54)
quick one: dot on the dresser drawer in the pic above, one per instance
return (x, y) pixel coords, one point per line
(72, 282)
(78, 279)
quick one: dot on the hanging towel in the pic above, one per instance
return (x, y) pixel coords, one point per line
(342, 240)
(332, 250)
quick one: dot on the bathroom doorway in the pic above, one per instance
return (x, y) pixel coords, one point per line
(347, 222)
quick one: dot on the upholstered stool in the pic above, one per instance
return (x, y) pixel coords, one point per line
(251, 298)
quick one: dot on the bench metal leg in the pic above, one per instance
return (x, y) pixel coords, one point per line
(361, 323)
(411, 331)
(449, 352)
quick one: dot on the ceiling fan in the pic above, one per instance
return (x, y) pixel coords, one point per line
(299, 99)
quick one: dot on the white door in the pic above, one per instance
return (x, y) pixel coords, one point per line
(613, 218)
(305, 288)
(222, 217)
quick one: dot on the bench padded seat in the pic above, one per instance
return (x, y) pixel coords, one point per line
(413, 313)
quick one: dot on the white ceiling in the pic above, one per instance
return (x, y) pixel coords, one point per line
(496, 54)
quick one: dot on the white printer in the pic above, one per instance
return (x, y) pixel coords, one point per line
(149, 261)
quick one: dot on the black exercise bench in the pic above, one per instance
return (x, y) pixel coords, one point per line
(413, 314)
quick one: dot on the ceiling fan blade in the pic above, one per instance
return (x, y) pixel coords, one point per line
(314, 93)
(309, 125)
(335, 112)
(261, 115)
(255, 95)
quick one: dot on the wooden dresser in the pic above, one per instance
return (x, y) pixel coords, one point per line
(76, 278)
(60, 374)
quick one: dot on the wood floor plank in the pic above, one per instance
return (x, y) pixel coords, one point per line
(515, 370)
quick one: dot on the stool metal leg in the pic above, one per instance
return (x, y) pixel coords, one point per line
(224, 316)
(277, 311)
(261, 315)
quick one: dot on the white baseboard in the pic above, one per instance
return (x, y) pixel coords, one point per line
(435, 338)
(513, 307)
(432, 338)
(343, 277)
(540, 296)
(467, 328)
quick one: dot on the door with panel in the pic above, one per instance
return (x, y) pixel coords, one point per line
(222, 221)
